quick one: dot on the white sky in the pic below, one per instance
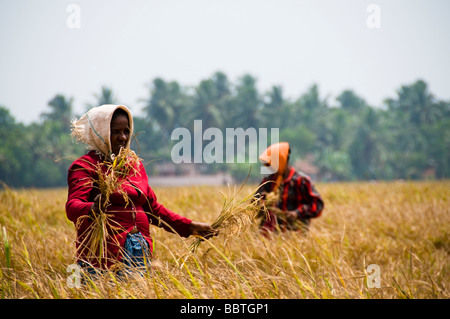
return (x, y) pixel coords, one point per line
(292, 43)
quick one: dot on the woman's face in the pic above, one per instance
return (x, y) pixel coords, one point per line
(120, 133)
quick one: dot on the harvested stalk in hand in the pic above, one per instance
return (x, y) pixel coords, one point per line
(236, 215)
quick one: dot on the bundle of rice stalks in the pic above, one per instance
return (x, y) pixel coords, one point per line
(112, 174)
(270, 202)
(236, 215)
(96, 236)
(110, 178)
(272, 198)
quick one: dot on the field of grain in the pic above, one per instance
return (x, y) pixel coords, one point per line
(400, 227)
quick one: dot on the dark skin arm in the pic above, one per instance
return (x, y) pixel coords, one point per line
(95, 207)
(202, 229)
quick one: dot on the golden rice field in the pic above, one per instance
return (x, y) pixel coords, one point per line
(401, 227)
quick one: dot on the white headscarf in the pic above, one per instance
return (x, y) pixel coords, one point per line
(94, 128)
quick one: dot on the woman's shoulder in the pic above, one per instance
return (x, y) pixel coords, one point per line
(88, 160)
(301, 177)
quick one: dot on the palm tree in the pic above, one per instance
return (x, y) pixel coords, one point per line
(247, 105)
(273, 108)
(420, 131)
(221, 84)
(106, 97)
(349, 101)
(206, 105)
(166, 106)
(61, 111)
(414, 105)
(365, 153)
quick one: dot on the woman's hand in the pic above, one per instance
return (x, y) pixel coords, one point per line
(95, 207)
(203, 230)
(291, 216)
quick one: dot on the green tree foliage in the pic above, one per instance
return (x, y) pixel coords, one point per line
(60, 112)
(365, 150)
(38, 155)
(165, 106)
(345, 139)
(11, 148)
(245, 110)
(106, 96)
(420, 132)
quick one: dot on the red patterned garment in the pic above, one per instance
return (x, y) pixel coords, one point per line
(298, 193)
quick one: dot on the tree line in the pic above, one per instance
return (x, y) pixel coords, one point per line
(408, 137)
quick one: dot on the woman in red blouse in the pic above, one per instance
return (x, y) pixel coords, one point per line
(106, 129)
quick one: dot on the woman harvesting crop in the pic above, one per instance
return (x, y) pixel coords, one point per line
(109, 199)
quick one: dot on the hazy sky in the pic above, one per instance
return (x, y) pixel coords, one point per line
(126, 44)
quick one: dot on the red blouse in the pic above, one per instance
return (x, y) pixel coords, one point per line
(142, 210)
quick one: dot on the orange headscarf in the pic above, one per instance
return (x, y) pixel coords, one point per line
(276, 156)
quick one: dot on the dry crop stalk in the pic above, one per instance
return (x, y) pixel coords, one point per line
(235, 216)
(116, 172)
(272, 198)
